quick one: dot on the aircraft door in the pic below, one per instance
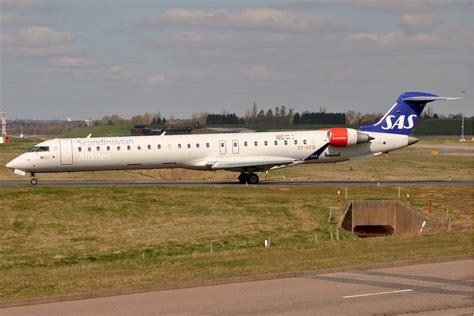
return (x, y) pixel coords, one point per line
(235, 146)
(222, 147)
(65, 146)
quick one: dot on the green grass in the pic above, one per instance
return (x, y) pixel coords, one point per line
(425, 127)
(19, 145)
(68, 240)
(444, 127)
(99, 131)
(272, 127)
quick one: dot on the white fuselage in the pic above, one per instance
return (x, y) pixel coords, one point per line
(236, 151)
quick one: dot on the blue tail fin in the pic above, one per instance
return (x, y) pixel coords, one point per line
(404, 114)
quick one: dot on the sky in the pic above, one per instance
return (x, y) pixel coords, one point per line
(84, 59)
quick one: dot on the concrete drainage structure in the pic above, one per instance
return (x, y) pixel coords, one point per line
(384, 218)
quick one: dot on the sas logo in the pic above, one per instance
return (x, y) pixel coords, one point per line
(400, 123)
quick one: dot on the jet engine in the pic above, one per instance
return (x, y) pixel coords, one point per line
(343, 137)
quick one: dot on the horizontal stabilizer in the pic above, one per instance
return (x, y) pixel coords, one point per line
(428, 98)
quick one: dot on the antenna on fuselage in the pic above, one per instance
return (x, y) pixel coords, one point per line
(89, 136)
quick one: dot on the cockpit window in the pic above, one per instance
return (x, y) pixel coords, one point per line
(38, 148)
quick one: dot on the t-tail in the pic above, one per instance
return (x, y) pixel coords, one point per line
(404, 114)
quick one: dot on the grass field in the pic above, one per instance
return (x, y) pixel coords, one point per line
(69, 240)
(425, 127)
(99, 131)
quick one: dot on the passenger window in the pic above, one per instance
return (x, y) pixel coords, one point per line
(139, 147)
(197, 145)
(179, 145)
(128, 147)
(189, 145)
(276, 142)
(98, 148)
(118, 148)
(88, 149)
(304, 141)
(79, 149)
(255, 143)
(265, 143)
(296, 142)
(108, 148)
(235, 144)
(285, 142)
(245, 144)
(159, 146)
(208, 145)
(222, 144)
(149, 147)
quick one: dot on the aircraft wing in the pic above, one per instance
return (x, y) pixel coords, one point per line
(255, 163)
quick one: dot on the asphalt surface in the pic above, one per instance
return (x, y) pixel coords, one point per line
(445, 288)
(235, 183)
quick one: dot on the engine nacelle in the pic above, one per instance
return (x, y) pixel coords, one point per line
(343, 137)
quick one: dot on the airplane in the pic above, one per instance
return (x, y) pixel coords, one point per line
(246, 153)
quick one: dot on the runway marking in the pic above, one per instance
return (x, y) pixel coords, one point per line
(378, 293)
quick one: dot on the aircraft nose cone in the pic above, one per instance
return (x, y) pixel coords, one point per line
(10, 165)
(14, 164)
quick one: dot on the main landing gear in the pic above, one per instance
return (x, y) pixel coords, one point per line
(33, 181)
(250, 178)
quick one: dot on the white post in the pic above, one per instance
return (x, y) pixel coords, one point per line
(330, 215)
(4, 125)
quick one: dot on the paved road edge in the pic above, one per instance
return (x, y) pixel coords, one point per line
(193, 284)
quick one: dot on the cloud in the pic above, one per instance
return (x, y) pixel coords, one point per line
(37, 36)
(103, 73)
(261, 73)
(38, 41)
(258, 19)
(24, 6)
(398, 39)
(404, 6)
(71, 62)
(414, 23)
(182, 76)
(85, 68)
(10, 21)
(188, 39)
(158, 79)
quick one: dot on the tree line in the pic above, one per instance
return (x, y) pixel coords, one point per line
(279, 115)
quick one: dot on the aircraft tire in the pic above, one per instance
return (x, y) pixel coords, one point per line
(243, 178)
(34, 181)
(253, 178)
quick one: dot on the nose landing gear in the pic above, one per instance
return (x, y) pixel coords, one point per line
(250, 178)
(33, 180)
